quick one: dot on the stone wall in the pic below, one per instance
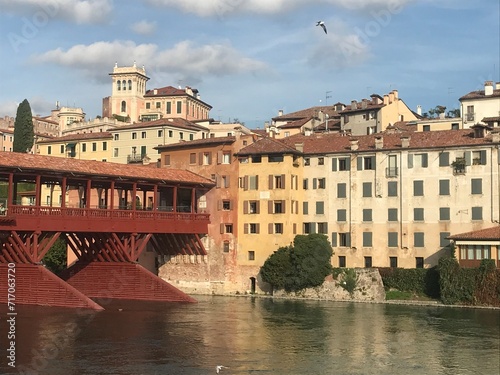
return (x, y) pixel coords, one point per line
(369, 287)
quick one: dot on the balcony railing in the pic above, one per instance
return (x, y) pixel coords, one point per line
(469, 117)
(391, 172)
(134, 158)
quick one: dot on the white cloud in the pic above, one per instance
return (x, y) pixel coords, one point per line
(222, 8)
(41, 11)
(144, 27)
(185, 58)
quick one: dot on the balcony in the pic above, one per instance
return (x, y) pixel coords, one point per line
(469, 117)
(135, 158)
(391, 172)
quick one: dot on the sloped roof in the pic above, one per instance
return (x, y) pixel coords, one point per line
(321, 143)
(482, 234)
(27, 162)
(479, 94)
(307, 113)
(78, 137)
(173, 122)
(268, 145)
(197, 143)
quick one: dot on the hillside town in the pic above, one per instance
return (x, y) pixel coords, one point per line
(388, 185)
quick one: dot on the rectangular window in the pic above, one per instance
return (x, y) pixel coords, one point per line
(192, 158)
(367, 214)
(392, 239)
(418, 239)
(418, 214)
(321, 183)
(419, 262)
(341, 190)
(117, 137)
(393, 262)
(169, 108)
(84, 147)
(134, 135)
(444, 187)
(251, 255)
(253, 228)
(307, 161)
(341, 164)
(143, 135)
(444, 213)
(278, 228)
(367, 189)
(253, 207)
(226, 247)
(367, 239)
(344, 240)
(171, 134)
(443, 239)
(115, 152)
(94, 146)
(275, 158)
(366, 163)
(320, 208)
(392, 188)
(226, 158)
(305, 184)
(179, 107)
(368, 262)
(323, 228)
(342, 215)
(228, 228)
(104, 146)
(257, 159)
(476, 186)
(342, 263)
(253, 182)
(321, 161)
(392, 167)
(158, 105)
(160, 133)
(392, 214)
(226, 205)
(418, 188)
(305, 208)
(477, 213)
(479, 157)
(444, 159)
(49, 150)
(166, 160)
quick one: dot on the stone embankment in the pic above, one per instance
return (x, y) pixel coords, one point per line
(369, 288)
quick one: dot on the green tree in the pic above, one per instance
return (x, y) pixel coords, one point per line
(55, 259)
(305, 264)
(23, 128)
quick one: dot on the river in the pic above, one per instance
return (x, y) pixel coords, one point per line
(251, 335)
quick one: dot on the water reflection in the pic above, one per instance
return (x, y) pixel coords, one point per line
(257, 335)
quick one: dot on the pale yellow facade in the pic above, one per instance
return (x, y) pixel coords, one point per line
(477, 105)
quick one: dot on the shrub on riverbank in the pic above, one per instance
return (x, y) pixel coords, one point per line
(418, 281)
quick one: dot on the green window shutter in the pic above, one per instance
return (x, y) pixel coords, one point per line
(392, 239)
(444, 159)
(334, 164)
(410, 160)
(443, 240)
(360, 163)
(476, 186)
(468, 157)
(367, 239)
(348, 238)
(483, 157)
(334, 239)
(424, 160)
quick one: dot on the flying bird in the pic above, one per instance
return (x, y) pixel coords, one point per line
(218, 368)
(322, 24)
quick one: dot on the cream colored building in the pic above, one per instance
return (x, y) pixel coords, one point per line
(85, 146)
(136, 143)
(441, 123)
(375, 115)
(477, 105)
(6, 139)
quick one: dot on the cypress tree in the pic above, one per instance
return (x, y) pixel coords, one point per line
(23, 128)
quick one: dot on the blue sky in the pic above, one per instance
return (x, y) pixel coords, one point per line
(249, 58)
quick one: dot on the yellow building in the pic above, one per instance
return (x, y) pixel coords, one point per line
(86, 146)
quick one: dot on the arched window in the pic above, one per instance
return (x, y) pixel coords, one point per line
(130, 84)
(124, 83)
(124, 106)
(118, 85)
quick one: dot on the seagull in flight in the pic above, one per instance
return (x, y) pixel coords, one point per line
(218, 368)
(322, 24)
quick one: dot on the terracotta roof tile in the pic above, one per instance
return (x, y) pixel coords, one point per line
(15, 161)
(482, 234)
(173, 122)
(197, 143)
(480, 95)
(268, 146)
(320, 143)
(307, 113)
(77, 137)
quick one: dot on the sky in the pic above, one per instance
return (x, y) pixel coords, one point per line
(248, 58)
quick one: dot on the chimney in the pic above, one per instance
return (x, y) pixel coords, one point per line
(379, 142)
(155, 92)
(495, 136)
(391, 97)
(299, 147)
(488, 88)
(442, 116)
(364, 103)
(280, 112)
(386, 99)
(354, 144)
(405, 141)
(419, 110)
(497, 86)
(354, 104)
(396, 94)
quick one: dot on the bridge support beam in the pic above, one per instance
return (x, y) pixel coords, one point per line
(118, 280)
(31, 284)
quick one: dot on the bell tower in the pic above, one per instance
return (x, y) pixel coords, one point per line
(127, 93)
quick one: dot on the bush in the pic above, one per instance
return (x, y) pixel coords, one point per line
(420, 281)
(303, 265)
